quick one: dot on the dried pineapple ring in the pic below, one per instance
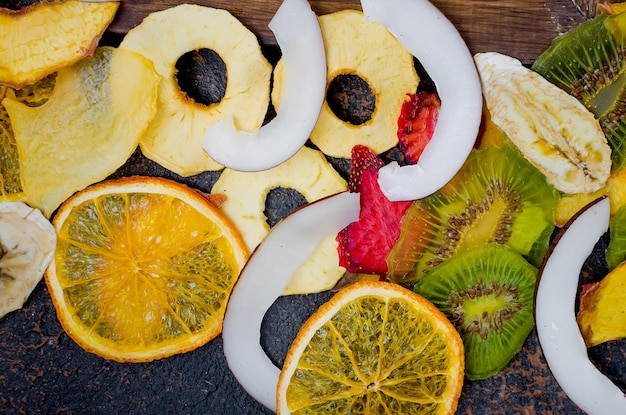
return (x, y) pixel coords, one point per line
(307, 172)
(27, 244)
(112, 97)
(553, 130)
(40, 39)
(355, 46)
(175, 136)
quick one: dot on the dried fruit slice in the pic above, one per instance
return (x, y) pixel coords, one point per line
(498, 196)
(553, 130)
(364, 244)
(342, 358)
(40, 39)
(371, 58)
(588, 63)
(487, 293)
(417, 122)
(307, 172)
(27, 243)
(143, 268)
(32, 95)
(602, 315)
(616, 251)
(192, 47)
(112, 97)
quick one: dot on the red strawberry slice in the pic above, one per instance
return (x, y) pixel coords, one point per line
(417, 122)
(362, 159)
(364, 244)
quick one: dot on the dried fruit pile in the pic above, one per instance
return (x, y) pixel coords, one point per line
(464, 227)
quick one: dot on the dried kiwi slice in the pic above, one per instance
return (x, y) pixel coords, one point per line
(487, 292)
(497, 196)
(588, 62)
(616, 251)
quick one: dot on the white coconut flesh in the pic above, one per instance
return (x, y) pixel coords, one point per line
(560, 338)
(264, 278)
(299, 37)
(425, 32)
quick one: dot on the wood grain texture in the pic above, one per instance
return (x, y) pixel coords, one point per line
(519, 28)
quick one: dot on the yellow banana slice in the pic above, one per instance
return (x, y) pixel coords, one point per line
(551, 128)
(27, 244)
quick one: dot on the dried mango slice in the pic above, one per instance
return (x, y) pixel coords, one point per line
(554, 131)
(32, 95)
(38, 40)
(89, 127)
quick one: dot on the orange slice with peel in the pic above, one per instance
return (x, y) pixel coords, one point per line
(375, 347)
(143, 269)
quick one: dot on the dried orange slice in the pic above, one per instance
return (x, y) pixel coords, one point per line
(143, 268)
(375, 347)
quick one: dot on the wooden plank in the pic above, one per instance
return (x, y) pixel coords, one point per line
(520, 28)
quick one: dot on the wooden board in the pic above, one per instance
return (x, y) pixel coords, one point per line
(520, 28)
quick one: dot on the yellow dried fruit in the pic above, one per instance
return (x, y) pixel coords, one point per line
(47, 36)
(174, 138)
(602, 315)
(89, 127)
(554, 131)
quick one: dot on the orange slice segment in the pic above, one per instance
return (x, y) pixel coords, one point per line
(375, 347)
(143, 268)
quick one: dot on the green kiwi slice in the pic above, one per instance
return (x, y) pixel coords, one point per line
(497, 196)
(616, 251)
(588, 62)
(487, 293)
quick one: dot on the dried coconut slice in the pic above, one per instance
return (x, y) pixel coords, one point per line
(175, 137)
(40, 39)
(89, 127)
(553, 130)
(559, 335)
(297, 32)
(263, 279)
(449, 63)
(307, 171)
(27, 245)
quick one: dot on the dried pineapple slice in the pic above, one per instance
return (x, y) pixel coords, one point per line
(40, 39)
(554, 131)
(174, 138)
(27, 245)
(89, 127)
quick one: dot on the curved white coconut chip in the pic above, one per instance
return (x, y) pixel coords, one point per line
(425, 32)
(264, 278)
(559, 335)
(298, 34)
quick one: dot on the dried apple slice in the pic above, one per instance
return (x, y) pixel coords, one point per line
(206, 38)
(38, 40)
(263, 279)
(27, 245)
(560, 338)
(449, 63)
(298, 35)
(88, 128)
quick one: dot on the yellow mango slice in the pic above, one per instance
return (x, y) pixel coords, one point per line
(602, 315)
(44, 37)
(89, 127)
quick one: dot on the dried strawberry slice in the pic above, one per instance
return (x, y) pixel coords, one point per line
(364, 244)
(417, 122)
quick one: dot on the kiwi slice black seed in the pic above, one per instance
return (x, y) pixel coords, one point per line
(588, 63)
(487, 293)
(498, 196)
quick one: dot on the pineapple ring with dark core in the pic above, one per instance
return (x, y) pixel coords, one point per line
(356, 47)
(175, 136)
